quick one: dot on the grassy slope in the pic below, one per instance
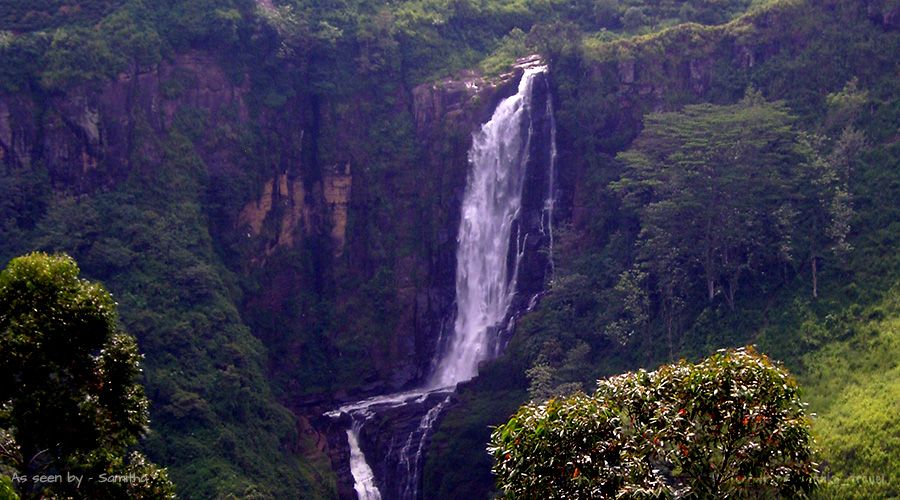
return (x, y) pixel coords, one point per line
(853, 387)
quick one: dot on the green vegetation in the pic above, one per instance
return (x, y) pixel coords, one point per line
(44, 14)
(730, 426)
(60, 43)
(722, 194)
(71, 402)
(821, 296)
(148, 240)
(205, 373)
(854, 386)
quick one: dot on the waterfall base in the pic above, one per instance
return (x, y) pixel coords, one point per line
(396, 429)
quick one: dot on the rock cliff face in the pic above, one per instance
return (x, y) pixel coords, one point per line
(297, 189)
(297, 208)
(296, 217)
(190, 126)
(535, 221)
(86, 137)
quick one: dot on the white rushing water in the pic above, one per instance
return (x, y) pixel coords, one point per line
(550, 202)
(363, 477)
(484, 285)
(491, 204)
(413, 461)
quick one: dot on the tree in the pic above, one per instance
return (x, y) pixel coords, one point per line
(826, 205)
(634, 316)
(555, 40)
(731, 425)
(75, 56)
(70, 403)
(708, 184)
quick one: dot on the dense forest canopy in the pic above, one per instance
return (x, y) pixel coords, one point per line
(64, 42)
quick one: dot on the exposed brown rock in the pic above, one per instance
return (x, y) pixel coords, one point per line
(336, 189)
(295, 217)
(88, 162)
(254, 213)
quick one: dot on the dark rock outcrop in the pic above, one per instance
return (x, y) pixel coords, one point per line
(86, 136)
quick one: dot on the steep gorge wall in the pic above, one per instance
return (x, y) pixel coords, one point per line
(92, 138)
(119, 146)
(85, 137)
(318, 221)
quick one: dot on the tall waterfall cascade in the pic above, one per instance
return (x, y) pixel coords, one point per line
(491, 245)
(493, 198)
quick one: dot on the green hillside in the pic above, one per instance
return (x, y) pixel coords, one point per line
(593, 323)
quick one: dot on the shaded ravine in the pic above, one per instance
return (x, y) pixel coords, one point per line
(496, 234)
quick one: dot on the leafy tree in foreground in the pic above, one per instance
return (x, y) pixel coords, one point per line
(730, 426)
(70, 404)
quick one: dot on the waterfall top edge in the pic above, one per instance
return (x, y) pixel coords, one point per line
(532, 68)
(534, 60)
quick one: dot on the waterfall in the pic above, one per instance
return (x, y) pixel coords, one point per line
(412, 462)
(363, 477)
(484, 286)
(492, 241)
(550, 202)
